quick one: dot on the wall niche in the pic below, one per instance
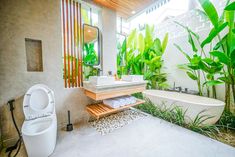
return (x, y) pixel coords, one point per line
(34, 55)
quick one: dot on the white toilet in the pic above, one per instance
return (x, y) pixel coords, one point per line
(40, 126)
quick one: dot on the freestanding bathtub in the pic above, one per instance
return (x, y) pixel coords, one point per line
(192, 104)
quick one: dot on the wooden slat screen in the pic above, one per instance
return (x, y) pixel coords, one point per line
(72, 49)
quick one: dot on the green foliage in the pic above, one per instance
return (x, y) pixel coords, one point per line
(89, 60)
(230, 7)
(177, 116)
(142, 54)
(210, 10)
(227, 120)
(209, 65)
(225, 47)
(218, 61)
(90, 57)
(138, 95)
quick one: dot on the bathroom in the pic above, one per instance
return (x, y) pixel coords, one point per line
(42, 21)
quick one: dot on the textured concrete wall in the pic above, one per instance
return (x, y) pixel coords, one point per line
(36, 19)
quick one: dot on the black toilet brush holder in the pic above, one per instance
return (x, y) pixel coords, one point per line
(69, 125)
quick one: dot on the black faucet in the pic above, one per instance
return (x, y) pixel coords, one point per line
(179, 89)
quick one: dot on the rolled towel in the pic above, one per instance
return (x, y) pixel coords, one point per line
(112, 103)
(128, 100)
(120, 101)
(132, 99)
(123, 101)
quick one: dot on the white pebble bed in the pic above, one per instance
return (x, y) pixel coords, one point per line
(115, 121)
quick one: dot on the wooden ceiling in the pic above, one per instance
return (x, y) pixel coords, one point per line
(125, 8)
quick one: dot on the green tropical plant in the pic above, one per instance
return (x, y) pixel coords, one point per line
(90, 55)
(89, 60)
(177, 115)
(121, 57)
(227, 120)
(142, 54)
(220, 60)
(224, 50)
(200, 65)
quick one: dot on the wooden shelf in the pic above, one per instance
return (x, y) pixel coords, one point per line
(114, 93)
(101, 110)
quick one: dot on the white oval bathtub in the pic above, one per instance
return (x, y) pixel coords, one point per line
(192, 104)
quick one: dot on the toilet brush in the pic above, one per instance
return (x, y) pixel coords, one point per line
(69, 125)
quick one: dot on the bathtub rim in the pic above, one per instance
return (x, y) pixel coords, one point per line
(221, 104)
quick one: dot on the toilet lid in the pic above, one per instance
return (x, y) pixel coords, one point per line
(38, 102)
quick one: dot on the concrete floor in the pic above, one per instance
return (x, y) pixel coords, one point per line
(146, 137)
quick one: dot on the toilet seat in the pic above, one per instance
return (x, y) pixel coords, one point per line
(38, 102)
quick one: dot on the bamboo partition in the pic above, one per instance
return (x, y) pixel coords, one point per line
(72, 43)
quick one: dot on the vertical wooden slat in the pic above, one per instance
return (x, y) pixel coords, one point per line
(64, 41)
(71, 39)
(68, 50)
(79, 41)
(80, 44)
(74, 41)
(79, 38)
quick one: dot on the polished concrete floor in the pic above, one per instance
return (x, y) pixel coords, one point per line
(146, 137)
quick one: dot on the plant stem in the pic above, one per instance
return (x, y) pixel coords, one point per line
(199, 82)
(227, 97)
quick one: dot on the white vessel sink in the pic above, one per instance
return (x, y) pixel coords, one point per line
(101, 80)
(117, 84)
(133, 78)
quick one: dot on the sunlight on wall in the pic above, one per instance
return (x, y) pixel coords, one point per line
(155, 16)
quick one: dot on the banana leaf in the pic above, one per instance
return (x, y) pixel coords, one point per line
(179, 48)
(213, 33)
(141, 45)
(188, 29)
(191, 75)
(210, 11)
(213, 83)
(225, 79)
(221, 56)
(232, 58)
(148, 36)
(229, 17)
(221, 43)
(190, 40)
(230, 7)
(164, 42)
(131, 38)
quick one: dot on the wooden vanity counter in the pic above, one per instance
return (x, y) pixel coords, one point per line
(112, 93)
(100, 110)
